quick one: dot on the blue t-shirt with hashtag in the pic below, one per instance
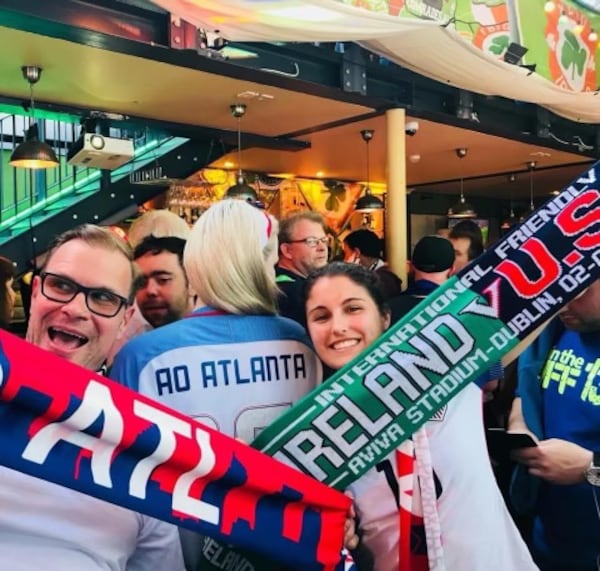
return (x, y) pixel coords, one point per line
(567, 530)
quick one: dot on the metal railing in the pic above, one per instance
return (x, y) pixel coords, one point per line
(20, 189)
(24, 192)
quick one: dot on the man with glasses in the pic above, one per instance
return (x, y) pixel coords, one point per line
(303, 247)
(80, 303)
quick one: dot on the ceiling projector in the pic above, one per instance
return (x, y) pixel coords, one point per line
(99, 152)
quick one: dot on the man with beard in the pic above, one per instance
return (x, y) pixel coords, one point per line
(80, 303)
(558, 403)
(159, 223)
(164, 294)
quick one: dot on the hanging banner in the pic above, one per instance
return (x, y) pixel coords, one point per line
(561, 43)
(486, 24)
(67, 425)
(354, 420)
(437, 10)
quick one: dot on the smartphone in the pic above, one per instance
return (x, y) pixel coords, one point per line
(520, 440)
(500, 442)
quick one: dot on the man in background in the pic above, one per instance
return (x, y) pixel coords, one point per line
(163, 294)
(558, 401)
(432, 262)
(467, 241)
(159, 223)
(303, 247)
(364, 247)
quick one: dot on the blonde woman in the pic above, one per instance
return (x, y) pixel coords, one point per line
(232, 364)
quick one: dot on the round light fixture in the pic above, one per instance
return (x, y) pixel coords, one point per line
(97, 142)
(368, 203)
(33, 153)
(240, 190)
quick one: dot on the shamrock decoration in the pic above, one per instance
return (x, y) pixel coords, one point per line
(337, 194)
(498, 45)
(572, 55)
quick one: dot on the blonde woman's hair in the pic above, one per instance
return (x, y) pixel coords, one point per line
(225, 258)
(159, 223)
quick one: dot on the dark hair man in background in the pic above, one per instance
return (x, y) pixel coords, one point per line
(364, 247)
(467, 240)
(163, 294)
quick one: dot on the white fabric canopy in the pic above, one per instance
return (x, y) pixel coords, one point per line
(422, 46)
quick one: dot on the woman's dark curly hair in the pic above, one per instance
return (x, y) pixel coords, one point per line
(358, 274)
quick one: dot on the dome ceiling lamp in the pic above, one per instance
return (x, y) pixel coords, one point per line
(240, 190)
(512, 220)
(531, 167)
(33, 153)
(368, 202)
(462, 209)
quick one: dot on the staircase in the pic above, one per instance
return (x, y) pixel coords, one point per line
(36, 205)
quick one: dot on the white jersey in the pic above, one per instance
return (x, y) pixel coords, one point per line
(233, 373)
(46, 526)
(477, 532)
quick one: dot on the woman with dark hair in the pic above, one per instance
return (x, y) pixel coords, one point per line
(7, 293)
(443, 471)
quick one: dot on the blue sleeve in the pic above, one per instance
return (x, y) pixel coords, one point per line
(124, 369)
(496, 371)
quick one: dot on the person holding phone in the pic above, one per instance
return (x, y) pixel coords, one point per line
(558, 402)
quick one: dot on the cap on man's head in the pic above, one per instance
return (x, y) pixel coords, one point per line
(433, 254)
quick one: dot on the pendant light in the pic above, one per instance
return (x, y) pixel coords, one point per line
(462, 209)
(33, 153)
(240, 190)
(368, 202)
(531, 167)
(512, 220)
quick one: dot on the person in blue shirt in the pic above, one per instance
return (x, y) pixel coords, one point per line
(558, 402)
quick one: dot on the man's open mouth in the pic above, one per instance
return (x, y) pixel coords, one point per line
(66, 338)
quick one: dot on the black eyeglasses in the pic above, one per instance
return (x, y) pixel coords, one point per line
(100, 301)
(311, 241)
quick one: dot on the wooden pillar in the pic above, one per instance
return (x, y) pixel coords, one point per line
(396, 211)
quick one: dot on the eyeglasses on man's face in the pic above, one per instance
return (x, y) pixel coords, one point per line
(98, 300)
(311, 241)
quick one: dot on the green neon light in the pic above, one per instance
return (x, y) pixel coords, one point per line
(39, 113)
